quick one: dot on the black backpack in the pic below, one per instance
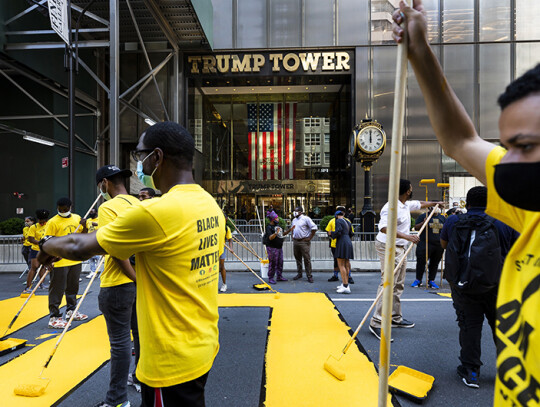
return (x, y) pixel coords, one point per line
(473, 255)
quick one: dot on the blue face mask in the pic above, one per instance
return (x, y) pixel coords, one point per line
(147, 180)
(105, 195)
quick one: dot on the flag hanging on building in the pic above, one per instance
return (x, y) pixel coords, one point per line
(271, 139)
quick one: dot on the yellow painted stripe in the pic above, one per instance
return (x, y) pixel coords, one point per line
(37, 308)
(305, 329)
(82, 351)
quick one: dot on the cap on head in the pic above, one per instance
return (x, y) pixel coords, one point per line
(109, 171)
(339, 213)
(299, 209)
(63, 202)
(272, 215)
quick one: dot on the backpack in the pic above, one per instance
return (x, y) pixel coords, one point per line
(473, 254)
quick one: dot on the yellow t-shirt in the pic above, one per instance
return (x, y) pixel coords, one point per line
(25, 236)
(37, 231)
(59, 226)
(112, 273)
(331, 227)
(177, 241)
(90, 225)
(228, 233)
(518, 301)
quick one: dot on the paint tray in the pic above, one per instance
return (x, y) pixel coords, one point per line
(260, 287)
(410, 383)
(9, 345)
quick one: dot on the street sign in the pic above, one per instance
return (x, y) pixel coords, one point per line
(20, 211)
(65, 162)
(58, 11)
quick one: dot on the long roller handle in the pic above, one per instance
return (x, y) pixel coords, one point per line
(249, 268)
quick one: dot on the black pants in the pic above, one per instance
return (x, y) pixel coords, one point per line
(64, 280)
(189, 394)
(25, 252)
(470, 312)
(435, 252)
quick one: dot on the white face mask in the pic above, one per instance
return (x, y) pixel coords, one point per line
(436, 211)
(64, 214)
(295, 214)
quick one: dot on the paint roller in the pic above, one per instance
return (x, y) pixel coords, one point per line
(332, 363)
(37, 387)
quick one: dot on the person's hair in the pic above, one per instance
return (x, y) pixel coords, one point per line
(63, 202)
(42, 214)
(150, 191)
(477, 197)
(31, 218)
(93, 212)
(175, 141)
(299, 209)
(404, 185)
(523, 86)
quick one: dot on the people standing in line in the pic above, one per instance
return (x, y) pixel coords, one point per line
(116, 297)
(177, 241)
(303, 232)
(510, 172)
(91, 226)
(35, 234)
(146, 193)
(66, 273)
(404, 207)
(434, 248)
(222, 271)
(344, 250)
(273, 240)
(331, 227)
(25, 250)
(475, 303)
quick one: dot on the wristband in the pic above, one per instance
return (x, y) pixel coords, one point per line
(42, 242)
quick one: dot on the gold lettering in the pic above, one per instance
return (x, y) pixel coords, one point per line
(310, 60)
(342, 61)
(328, 61)
(223, 63)
(194, 64)
(209, 64)
(241, 66)
(258, 61)
(275, 58)
(296, 64)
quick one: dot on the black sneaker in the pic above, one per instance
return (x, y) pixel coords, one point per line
(403, 324)
(377, 333)
(351, 281)
(333, 278)
(297, 277)
(468, 376)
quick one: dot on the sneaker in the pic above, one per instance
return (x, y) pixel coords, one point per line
(27, 290)
(90, 275)
(468, 376)
(131, 382)
(351, 281)
(403, 324)
(44, 287)
(223, 288)
(417, 283)
(432, 284)
(377, 333)
(78, 316)
(271, 281)
(310, 279)
(343, 290)
(298, 276)
(104, 404)
(333, 278)
(57, 323)
(281, 278)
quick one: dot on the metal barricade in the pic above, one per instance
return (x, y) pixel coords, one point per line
(10, 249)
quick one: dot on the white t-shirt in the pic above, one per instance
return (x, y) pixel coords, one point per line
(403, 220)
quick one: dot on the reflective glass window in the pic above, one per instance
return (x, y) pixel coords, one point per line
(285, 23)
(494, 20)
(319, 23)
(458, 21)
(251, 29)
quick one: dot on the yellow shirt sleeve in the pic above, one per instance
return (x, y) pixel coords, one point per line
(132, 232)
(228, 234)
(496, 206)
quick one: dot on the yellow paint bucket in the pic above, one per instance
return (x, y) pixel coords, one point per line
(264, 268)
(410, 383)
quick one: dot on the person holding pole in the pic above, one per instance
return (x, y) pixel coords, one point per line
(511, 172)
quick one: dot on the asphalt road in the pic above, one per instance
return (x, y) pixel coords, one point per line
(237, 378)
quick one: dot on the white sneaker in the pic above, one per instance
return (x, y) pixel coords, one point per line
(57, 323)
(344, 290)
(78, 316)
(223, 288)
(90, 275)
(131, 382)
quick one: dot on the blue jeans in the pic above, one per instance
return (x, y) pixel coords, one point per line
(116, 304)
(93, 261)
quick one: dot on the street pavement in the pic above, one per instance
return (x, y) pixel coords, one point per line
(238, 376)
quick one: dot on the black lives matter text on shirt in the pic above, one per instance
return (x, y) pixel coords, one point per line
(206, 242)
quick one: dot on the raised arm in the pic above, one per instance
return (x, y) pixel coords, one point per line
(452, 125)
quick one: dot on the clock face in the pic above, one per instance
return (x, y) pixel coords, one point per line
(352, 142)
(371, 139)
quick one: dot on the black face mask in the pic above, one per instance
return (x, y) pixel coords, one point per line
(517, 184)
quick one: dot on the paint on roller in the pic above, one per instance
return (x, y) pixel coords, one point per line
(410, 382)
(260, 287)
(331, 365)
(11, 344)
(427, 181)
(33, 389)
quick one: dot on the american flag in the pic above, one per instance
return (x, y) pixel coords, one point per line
(272, 140)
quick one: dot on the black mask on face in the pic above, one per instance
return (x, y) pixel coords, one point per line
(517, 184)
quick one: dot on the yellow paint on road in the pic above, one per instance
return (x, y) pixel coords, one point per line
(305, 329)
(82, 351)
(448, 295)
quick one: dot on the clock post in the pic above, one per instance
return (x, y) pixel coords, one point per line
(367, 143)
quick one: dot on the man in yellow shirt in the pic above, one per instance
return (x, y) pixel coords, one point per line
(66, 273)
(331, 227)
(25, 251)
(177, 240)
(117, 295)
(511, 174)
(35, 234)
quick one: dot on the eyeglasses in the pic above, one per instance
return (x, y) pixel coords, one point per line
(136, 154)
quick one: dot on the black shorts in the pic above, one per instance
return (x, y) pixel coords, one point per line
(184, 394)
(33, 254)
